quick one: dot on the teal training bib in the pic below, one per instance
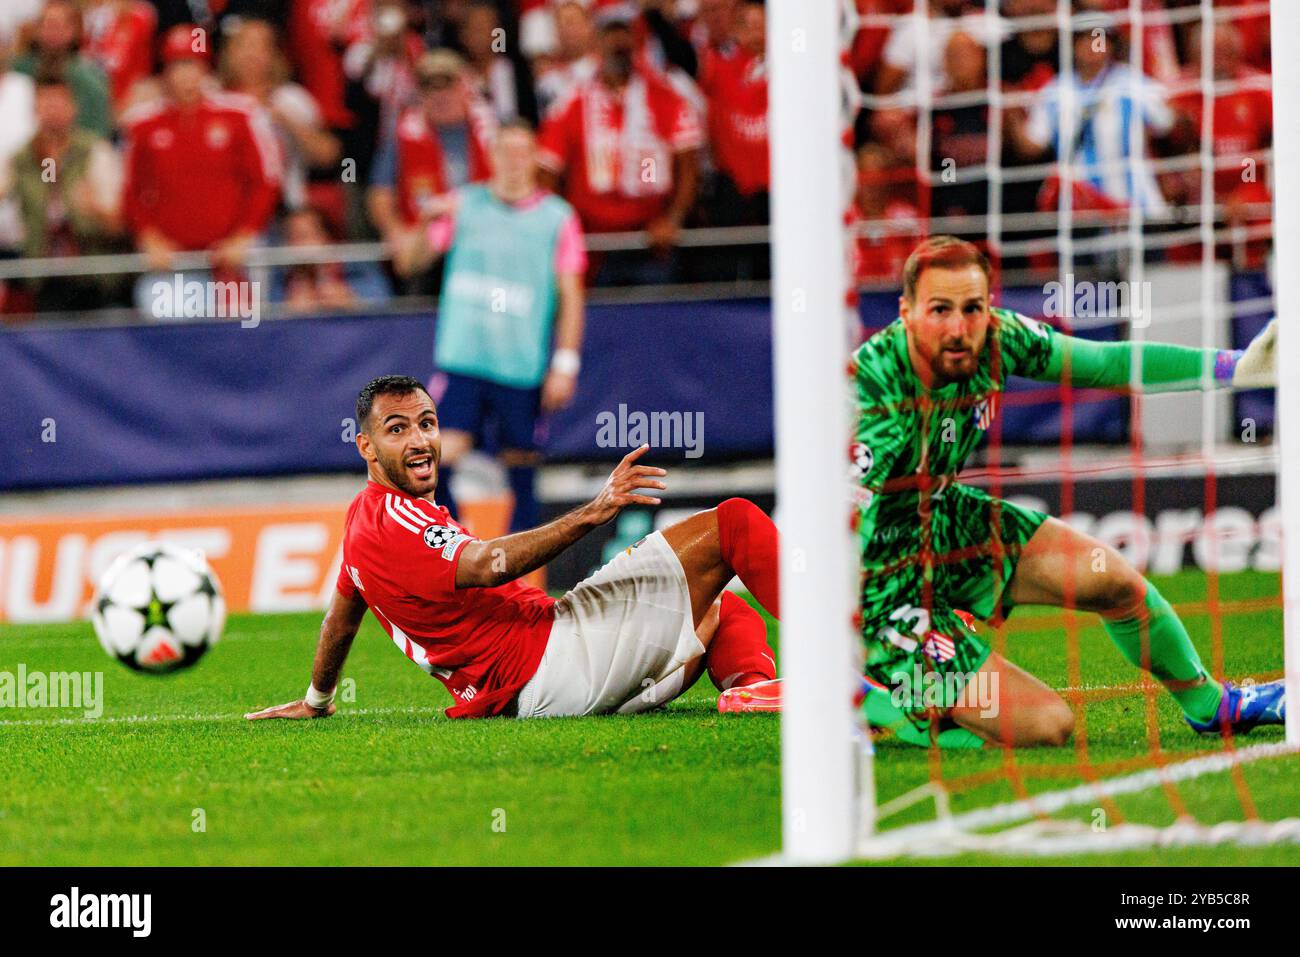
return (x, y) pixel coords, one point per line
(499, 295)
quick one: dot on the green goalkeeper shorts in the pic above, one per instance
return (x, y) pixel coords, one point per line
(915, 599)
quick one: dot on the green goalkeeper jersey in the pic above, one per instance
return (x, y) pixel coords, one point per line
(935, 553)
(910, 442)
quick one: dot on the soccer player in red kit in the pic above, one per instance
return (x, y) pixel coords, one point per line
(632, 637)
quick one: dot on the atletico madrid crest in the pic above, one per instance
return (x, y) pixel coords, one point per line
(939, 647)
(984, 411)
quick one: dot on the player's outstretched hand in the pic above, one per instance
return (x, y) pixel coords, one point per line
(623, 488)
(294, 710)
(1257, 368)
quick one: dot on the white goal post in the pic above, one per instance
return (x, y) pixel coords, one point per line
(1286, 251)
(818, 730)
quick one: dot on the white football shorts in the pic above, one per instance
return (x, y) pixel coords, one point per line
(620, 641)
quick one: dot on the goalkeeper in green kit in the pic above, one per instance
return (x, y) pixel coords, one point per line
(936, 553)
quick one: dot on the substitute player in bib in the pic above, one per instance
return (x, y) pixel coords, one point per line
(515, 260)
(928, 387)
(630, 638)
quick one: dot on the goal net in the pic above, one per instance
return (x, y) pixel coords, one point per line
(1117, 161)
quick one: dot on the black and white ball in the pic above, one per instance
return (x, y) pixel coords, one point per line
(158, 608)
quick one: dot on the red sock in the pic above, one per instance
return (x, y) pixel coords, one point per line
(739, 647)
(748, 541)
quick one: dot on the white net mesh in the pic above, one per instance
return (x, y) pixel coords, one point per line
(1123, 141)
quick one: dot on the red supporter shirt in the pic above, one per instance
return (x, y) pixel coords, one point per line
(616, 149)
(318, 32)
(120, 40)
(400, 556)
(736, 87)
(422, 170)
(1243, 124)
(201, 174)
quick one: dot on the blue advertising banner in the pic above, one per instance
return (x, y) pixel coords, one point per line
(148, 403)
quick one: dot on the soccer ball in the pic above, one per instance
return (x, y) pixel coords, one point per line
(158, 608)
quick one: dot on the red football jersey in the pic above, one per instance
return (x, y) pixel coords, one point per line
(120, 39)
(616, 150)
(400, 556)
(736, 87)
(1243, 123)
(200, 174)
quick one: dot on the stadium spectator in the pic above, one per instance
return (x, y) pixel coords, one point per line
(119, 37)
(895, 131)
(735, 87)
(17, 15)
(1242, 130)
(316, 287)
(625, 146)
(18, 107)
(380, 70)
(959, 135)
(217, 16)
(252, 64)
(713, 26)
(442, 143)
(500, 76)
(886, 217)
(515, 260)
(202, 167)
(442, 22)
(576, 59)
(17, 103)
(55, 44)
(1256, 36)
(913, 43)
(67, 185)
(663, 44)
(318, 33)
(868, 46)
(1101, 137)
(1030, 57)
(539, 41)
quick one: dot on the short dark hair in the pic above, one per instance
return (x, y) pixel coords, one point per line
(50, 72)
(941, 252)
(384, 385)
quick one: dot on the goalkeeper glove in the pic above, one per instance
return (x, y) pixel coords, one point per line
(1257, 367)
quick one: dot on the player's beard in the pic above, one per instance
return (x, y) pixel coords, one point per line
(953, 366)
(401, 475)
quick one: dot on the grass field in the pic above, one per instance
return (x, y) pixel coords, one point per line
(391, 781)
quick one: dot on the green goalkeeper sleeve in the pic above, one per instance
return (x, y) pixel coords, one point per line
(1164, 368)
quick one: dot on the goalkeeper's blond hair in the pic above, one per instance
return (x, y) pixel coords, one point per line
(942, 252)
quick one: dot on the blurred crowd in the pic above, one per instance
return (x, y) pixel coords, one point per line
(165, 126)
(1126, 112)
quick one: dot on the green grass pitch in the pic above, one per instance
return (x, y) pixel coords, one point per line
(173, 775)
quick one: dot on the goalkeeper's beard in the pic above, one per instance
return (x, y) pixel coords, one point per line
(953, 366)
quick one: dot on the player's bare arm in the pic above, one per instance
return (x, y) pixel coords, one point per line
(499, 560)
(562, 380)
(336, 633)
